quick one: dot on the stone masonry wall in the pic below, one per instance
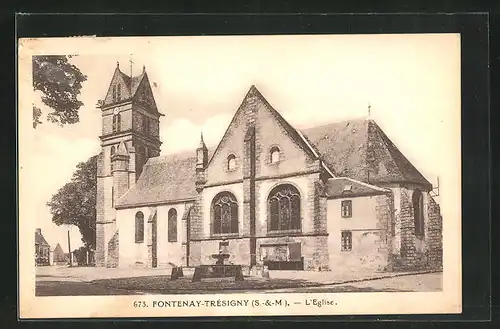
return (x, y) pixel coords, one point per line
(113, 251)
(419, 252)
(384, 210)
(434, 233)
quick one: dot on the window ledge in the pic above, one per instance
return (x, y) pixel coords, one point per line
(277, 232)
(223, 235)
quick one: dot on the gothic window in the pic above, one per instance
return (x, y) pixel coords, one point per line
(224, 213)
(119, 92)
(346, 209)
(418, 212)
(114, 93)
(139, 227)
(284, 208)
(274, 154)
(346, 241)
(172, 225)
(117, 122)
(231, 162)
(113, 150)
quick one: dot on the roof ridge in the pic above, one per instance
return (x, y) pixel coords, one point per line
(378, 188)
(358, 119)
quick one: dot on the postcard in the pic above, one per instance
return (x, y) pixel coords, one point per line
(239, 175)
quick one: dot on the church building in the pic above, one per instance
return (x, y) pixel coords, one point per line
(340, 195)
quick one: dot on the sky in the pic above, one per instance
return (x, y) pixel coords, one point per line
(411, 82)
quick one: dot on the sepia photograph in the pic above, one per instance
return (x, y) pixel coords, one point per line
(239, 175)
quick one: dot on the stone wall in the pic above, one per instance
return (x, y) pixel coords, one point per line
(113, 251)
(419, 252)
(434, 234)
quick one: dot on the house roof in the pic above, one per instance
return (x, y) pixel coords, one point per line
(344, 187)
(40, 240)
(357, 149)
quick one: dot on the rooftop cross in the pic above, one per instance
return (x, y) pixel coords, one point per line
(131, 63)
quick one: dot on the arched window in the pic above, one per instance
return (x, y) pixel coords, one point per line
(117, 122)
(113, 150)
(274, 154)
(418, 212)
(224, 213)
(139, 227)
(172, 225)
(284, 208)
(119, 92)
(231, 162)
(114, 93)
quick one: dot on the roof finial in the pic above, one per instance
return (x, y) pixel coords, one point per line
(369, 109)
(131, 63)
(143, 68)
(202, 142)
(117, 64)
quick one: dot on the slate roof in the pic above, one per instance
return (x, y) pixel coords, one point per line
(136, 81)
(40, 240)
(343, 187)
(359, 149)
(167, 178)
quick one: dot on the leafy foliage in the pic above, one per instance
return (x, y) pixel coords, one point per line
(75, 202)
(60, 83)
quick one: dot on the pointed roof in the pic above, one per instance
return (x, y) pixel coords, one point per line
(252, 94)
(122, 149)
(40, 240)
(202, 142)
(359, 149)
(131, 84)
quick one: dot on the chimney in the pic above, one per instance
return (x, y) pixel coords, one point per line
(39, 231)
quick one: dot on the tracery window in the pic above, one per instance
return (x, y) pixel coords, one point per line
(224, 213)
(284, 208)
(418, 212)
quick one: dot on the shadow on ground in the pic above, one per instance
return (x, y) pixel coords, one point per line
(72, 288)
(163, 285)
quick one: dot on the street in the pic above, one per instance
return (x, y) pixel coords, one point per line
(160, 284)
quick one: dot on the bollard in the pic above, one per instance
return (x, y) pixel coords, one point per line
(265, 272)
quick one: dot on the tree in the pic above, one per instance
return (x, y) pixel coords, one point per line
(60, 83)
(75, 202)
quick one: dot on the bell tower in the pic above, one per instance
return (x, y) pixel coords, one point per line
(130, 136)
